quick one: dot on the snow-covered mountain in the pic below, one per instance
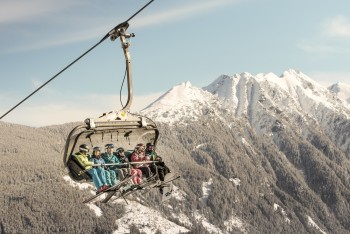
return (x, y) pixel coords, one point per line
(285, 138)
(242, 92)
(268, 102)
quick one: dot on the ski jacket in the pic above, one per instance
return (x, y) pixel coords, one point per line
(110, 158)
(98, 160)
(84, 160)
(153, 156)
(123, 160)
(135, 157)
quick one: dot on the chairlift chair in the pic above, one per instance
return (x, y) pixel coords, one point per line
(122, 128)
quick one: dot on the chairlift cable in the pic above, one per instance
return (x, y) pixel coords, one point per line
(93, 47)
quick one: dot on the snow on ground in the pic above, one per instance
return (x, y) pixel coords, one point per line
(210, 227)
(206, 189)
(200, 145)
(95, 208)
(236, 181)
(178, 194)
(168, 107)
(234, 222)
(182, 219)
(84, 186)
(146, 220)
(313, 224)
(81, 186)
(283, 212)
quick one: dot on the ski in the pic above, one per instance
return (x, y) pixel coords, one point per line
(113, 188)
(162, 184)
(133, 188)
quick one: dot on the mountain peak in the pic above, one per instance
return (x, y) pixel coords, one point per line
(341, 90)
(183, 100)
(187, 84)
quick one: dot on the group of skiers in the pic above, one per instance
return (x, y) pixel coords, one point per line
(105, 176)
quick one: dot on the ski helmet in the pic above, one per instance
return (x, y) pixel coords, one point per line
(96, 148)
(109, 146)
(150, 146)
(140, 146)
(120, 150)
(84, 148)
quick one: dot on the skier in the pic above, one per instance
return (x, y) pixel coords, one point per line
(97, 159)
(159, 165)
(122, 159)
(97, 174)
(138, 156)
(110, 157)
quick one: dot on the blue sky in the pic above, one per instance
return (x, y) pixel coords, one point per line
(175, 41)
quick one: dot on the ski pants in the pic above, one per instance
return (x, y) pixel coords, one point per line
(98, 176)
(138, 176)
(111, 178)
(122, 172)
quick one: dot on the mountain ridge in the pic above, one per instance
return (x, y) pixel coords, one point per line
(266, 99)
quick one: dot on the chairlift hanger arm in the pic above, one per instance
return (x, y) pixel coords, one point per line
(121, 33)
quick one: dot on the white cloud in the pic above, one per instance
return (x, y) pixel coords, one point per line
(180, 13)
(60, 112)
(333, 39)
(21, 10)
(338, 27)
(318, 48)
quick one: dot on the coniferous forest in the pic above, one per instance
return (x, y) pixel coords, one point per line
(304, 177)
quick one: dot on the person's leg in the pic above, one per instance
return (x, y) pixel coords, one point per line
(102, 175)
(95, 178)
(125, 171)
(161, 173)
(135, 178)
(120, 174)
(146, 171)
(139, 173)
(153, 168)
(110, 177)
(113, 177)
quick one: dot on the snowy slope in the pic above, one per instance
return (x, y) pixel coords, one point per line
(149, 220)
(146, 219)
(182, 102)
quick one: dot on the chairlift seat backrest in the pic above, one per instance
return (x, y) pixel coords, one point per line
(75, 169)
